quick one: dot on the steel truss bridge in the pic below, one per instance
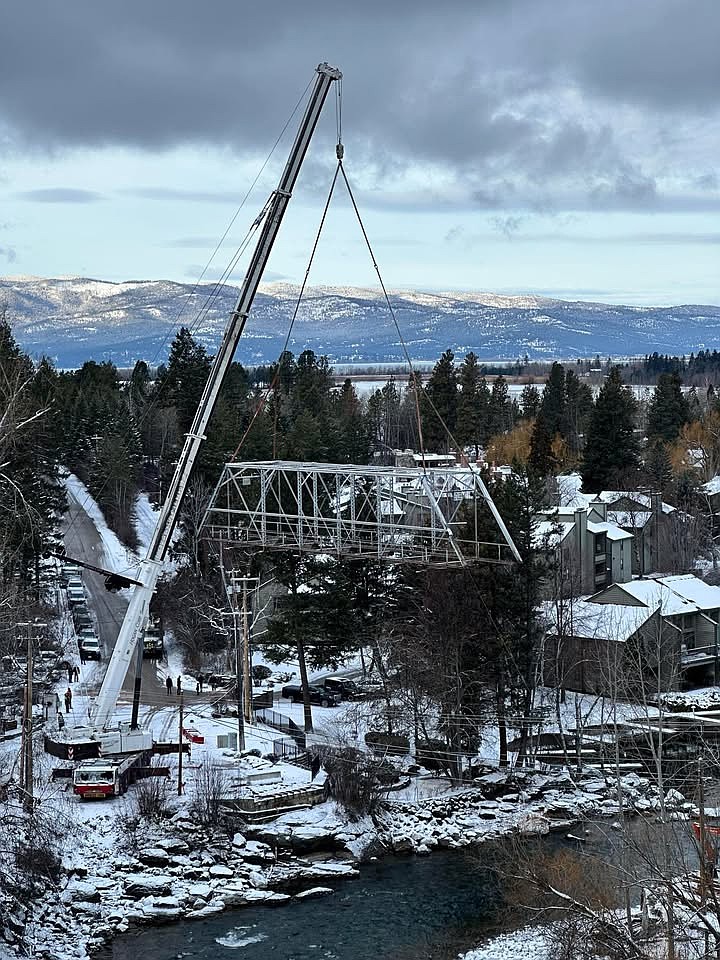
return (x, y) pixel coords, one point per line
(396, 514)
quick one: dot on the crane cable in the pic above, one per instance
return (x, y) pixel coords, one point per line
(269, 389)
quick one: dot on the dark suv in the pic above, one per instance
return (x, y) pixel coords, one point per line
(319, 695)
(346, 689)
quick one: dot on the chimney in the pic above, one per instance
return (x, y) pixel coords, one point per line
(600, 508)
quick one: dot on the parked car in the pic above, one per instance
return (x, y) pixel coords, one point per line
(69, 571)
(347, 689)
(89, 647)
(82, 616)
(75, 596)
(318, 695)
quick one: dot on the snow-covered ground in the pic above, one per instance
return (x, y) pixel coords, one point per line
(118, 557)
(528, 943)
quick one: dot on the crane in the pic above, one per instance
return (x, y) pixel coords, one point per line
(137, 612)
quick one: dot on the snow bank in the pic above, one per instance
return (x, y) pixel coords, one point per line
(529, 943)
(118, 557)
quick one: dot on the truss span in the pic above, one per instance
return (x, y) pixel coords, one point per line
(410, 515)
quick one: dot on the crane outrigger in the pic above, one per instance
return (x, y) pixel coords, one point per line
(126, 646)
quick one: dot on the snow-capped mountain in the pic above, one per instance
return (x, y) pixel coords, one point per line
(72, 320)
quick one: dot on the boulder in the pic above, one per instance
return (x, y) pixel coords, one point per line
(403, 845)
(219, 871)
(238, 841)
(313, 892)
(80, 891)
(154, 857)
(256, 852)
(173, 845)
(139, 885)
(201, 891)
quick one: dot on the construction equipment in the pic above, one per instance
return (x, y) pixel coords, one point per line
(106, 777)
(126, 645)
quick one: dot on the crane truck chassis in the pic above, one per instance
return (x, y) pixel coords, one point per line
(107, 776)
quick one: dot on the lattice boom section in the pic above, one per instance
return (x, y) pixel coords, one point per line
(390, 513)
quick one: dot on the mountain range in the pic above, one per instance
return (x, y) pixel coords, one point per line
(74, 319)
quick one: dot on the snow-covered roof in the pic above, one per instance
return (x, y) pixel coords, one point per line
(635, 496)
(712, 486)
(571, 495)
(611, 530)
(550, 533)
(604, 621)
(704, 595)
(553, 530)
(654, 593)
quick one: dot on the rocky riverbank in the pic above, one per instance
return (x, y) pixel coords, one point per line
(121, 874)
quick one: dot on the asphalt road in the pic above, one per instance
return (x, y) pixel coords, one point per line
(83, 542)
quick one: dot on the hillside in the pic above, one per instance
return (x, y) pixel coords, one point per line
(72, 320)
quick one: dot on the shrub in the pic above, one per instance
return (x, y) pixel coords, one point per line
(356, 779)
(387, 744)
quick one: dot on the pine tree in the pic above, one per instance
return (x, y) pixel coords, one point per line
(180, 384)
(472, 408)
(529, 401)
(579, 404)
(438, 404)
(500, 409)
(611, 448)
(668, 410)
(551, 422)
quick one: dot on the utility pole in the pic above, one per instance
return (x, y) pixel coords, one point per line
(28, 758)
(247, 679)
(180, 746)
(239, 675)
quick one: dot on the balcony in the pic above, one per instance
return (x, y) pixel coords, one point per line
(697, 656)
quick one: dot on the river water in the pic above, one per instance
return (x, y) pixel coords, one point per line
(398, 909)
(414, 908)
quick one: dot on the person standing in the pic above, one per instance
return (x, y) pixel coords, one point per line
(76, 674)
(201, 681)
(179, 686)
(70, 673)
(68, 700)
(168, 685)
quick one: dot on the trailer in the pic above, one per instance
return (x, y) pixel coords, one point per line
(107, 776)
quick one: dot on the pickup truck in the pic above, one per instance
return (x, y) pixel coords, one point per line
(346, 689)
(318, 695)
(89, 647)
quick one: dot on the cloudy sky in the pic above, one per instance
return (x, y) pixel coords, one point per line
(562, 147)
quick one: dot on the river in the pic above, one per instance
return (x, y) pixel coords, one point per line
(414, 908)
(405, 909)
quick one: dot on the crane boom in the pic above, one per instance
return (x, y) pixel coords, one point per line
(137, 611)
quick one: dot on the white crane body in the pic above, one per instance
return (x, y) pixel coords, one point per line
(125, 649)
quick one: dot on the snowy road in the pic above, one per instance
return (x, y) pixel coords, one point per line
(83, 541)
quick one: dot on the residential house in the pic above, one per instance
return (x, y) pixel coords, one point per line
(591, 552)
(647, 634)
(651, 521)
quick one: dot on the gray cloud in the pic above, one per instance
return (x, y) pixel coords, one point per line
(60, 195)
(516, 105)
(191, 196)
